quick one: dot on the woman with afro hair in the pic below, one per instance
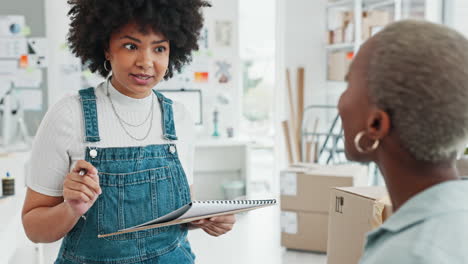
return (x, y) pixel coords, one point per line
(119, 154)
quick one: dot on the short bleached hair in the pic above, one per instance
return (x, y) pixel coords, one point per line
(418, 74)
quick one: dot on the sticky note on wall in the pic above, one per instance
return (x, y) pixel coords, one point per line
(201, 77)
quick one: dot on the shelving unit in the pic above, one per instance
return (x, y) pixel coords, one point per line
(331, 145)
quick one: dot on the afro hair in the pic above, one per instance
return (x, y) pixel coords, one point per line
(93, 22)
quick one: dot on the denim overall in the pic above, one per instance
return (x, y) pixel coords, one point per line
(138, 184)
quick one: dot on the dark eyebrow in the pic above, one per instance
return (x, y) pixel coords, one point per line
(132, 38)
(139, 41)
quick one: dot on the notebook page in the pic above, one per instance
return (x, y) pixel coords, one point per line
(200, 208)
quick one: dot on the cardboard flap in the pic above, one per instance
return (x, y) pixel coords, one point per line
(375, 193)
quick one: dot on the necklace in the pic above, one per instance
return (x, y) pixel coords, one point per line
(123, 122)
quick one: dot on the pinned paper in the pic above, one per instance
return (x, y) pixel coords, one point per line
(289, 222)
(288, 183)
(12, 48)
(201, 77)
(29, 78)
(223, 72)
(5, 86)
(203, 39)
(23, 61)
(37, 50)
(223, 33)
(30, 99)
(12, 26)
(8, 69)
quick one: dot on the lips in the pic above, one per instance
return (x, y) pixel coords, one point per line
(142, 76)
(141, 79)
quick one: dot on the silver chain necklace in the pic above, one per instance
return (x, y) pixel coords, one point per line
(122, 122)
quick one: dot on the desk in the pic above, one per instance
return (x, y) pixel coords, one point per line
(218, 161)
(12, 234)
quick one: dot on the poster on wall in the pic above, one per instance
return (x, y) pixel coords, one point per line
(201, 68)
(30, 100)
(201, 77)
(223, 72)
(223, 33)
(30, 78)
(203, 40)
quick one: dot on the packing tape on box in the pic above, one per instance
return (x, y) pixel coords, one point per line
(378, 214)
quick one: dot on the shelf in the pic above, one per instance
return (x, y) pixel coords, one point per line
(340, 46)
(370, 5)
(340, 3)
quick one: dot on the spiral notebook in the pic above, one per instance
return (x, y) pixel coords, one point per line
(196, 210)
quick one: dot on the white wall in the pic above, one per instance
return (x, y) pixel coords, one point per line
(229, 115)
(304, 45)
(57, 24)
(457, 15)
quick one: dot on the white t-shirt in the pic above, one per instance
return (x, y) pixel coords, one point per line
(60, 142)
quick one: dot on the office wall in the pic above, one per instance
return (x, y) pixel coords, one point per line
(35, 19)
(304, 36)
(224, 97)
(456, 13)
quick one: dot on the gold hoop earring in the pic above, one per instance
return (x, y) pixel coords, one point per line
(105, 65)
(357, 139)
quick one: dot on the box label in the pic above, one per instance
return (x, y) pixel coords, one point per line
(289, 222)
(288, 183)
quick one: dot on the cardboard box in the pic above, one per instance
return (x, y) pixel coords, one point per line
(341, 27)
(307, 189)
(304, 231)
(462, 165)
(338, 65)
(373, 21)
(354, 211)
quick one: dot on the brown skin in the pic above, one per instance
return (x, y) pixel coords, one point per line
(404, 175)
(131, 52)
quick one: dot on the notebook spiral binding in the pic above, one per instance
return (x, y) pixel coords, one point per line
(271, 201)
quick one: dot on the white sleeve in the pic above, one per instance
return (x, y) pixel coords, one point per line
(50, 160)
(185, 130)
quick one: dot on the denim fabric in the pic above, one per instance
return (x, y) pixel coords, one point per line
(138, 184)
(88, 102)
(167, 116)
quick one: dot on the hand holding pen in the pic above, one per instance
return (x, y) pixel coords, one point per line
(81, 187)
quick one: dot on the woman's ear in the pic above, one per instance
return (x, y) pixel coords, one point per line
(378, 124)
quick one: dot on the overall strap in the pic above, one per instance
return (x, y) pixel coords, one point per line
(88, 102)
(167, 115)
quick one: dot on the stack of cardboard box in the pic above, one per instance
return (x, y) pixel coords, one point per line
(342, 25)
(373, 22)
(342, 28)
(338, 65)
(305, 194)
(354, 211)
(342, 31)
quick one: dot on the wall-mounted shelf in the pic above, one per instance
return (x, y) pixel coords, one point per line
(340, 46)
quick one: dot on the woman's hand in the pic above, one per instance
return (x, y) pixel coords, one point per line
(217, 225)
(81, 191)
